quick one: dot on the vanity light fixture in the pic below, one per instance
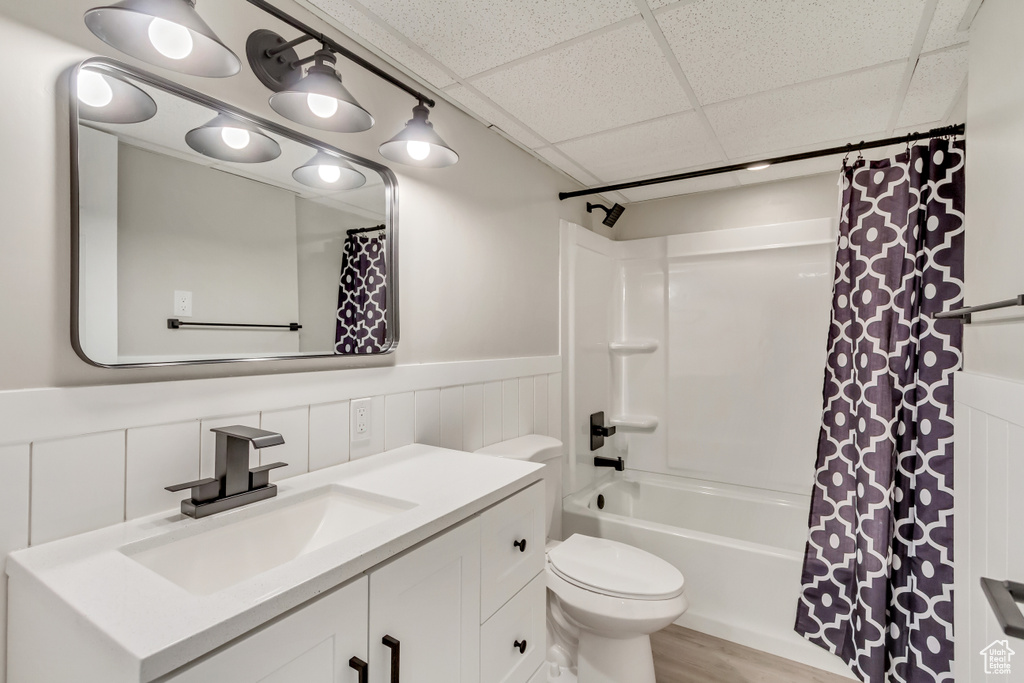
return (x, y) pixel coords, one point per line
(230, 139)
(319, 100)
(107, 99)
(311, 100)
(328, 172)
(167, 33)
(418, 144)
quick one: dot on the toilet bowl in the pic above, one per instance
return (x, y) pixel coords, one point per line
(605, 598)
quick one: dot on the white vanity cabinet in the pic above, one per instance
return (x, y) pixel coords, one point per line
(313, 645)
(426, 603)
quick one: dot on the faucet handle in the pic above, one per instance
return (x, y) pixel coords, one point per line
(260, 476)
(202, 489)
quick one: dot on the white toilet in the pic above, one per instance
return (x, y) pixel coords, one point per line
(604, 598)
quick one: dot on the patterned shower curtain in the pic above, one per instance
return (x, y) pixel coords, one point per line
(362, 296)
(877, 585)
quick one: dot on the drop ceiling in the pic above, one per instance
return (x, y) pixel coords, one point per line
(617, 90)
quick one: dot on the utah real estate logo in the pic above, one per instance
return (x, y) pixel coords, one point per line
(997, 657)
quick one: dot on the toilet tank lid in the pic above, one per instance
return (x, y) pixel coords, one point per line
(533, 447)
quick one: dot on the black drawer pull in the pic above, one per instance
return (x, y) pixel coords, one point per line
(362, 667)
(396, 663)
(521, 644)
(521, 545)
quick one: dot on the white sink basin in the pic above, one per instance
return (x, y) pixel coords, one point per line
(216, 558)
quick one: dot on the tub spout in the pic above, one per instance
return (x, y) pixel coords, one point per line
(618, 463)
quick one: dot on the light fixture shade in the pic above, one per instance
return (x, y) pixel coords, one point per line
(346, 114)
(128, 26)
(211, 141)
(104, 98)
(319, 173)
(419, 131)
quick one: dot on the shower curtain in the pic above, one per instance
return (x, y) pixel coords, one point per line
(362, 296)
(877, 584)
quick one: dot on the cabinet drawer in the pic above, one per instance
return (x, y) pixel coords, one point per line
(521, 620)
(506, 567)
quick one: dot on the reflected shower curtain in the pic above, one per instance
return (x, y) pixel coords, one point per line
(877, 585)
(362, 296)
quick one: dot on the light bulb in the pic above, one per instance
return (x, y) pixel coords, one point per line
(235, 138)
(323, 106)
(171, 40)
(329, 174)
(418, 150)
(93, 89)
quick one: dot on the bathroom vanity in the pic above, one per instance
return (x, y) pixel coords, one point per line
(420, 564)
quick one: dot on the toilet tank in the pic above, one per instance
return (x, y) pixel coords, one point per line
(540, 449)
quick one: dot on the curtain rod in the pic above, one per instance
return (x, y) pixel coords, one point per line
(356, 231)
(335, 47)
(831, 151)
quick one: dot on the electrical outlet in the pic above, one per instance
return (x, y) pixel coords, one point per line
(362, 417)
(183, 304)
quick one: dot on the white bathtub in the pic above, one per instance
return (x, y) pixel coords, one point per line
(739, 549)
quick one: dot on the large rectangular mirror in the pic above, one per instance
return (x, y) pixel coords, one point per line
(205, 234)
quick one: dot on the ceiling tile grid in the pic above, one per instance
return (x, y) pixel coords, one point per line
(943, 31)
(853, 105)
(732, 48)
(590, 86)
(470, 36)
(358, 23)
(596, 91)
(653, 147)
(937, 80)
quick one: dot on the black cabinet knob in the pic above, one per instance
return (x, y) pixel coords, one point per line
(521, 645)
(521, 545)
(362, 667)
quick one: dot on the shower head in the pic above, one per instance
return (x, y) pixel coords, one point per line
(613, 213)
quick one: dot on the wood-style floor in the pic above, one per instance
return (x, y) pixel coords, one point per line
(685, 656)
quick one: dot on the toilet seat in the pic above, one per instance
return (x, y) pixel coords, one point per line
(614, 569)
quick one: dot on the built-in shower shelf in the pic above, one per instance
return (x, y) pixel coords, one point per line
(628, 346)
(635, 423)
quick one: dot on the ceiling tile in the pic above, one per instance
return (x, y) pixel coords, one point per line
(667, 144)
(731, 48)
(694, 185)
(936, 82)
(658, 4)
(566, 165)
(943, 33)
(611, 80)
(470, 37)
(356, 23)
(488, 112)
(843, 107)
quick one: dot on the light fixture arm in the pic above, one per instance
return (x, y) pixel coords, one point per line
(334, 47)
(273, 52)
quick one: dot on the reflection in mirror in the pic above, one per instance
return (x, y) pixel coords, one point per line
(205, 234)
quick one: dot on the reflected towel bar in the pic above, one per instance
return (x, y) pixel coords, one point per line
(175, 324)
(964, 314)
(1002, 597)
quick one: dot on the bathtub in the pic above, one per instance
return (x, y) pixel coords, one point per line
(740, 550)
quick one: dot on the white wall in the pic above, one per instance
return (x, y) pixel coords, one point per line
(995, 167)
(478, 246)
(781, 201)
(232, 244)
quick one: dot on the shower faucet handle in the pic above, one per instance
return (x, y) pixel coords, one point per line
(598, 431)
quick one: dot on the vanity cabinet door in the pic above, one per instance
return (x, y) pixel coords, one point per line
(310, 645)
(426, 604)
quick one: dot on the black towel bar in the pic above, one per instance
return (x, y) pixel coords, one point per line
(964, 314)
(175, 324)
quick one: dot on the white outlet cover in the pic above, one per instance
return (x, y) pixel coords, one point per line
(362, 418)
(182, 303)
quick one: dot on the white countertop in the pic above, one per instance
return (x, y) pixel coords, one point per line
(158, 626)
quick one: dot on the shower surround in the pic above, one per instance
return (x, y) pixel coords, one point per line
(706, 351)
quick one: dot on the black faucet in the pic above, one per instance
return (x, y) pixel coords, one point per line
(233, 483)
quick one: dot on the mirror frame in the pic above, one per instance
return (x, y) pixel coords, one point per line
(117, 68)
